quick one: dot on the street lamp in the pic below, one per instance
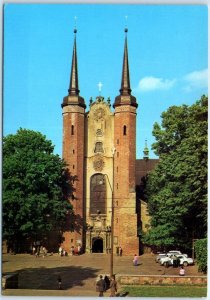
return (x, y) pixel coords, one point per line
(112, 216)
(112, 225)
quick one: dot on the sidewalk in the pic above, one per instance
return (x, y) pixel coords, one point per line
(38, 276)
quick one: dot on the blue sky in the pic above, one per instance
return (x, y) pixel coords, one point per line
(167, 47)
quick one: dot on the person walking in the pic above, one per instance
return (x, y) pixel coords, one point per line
(113, 287)
(100, 286)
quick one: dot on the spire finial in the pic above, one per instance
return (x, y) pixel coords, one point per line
(100, 87)
(146, 151)
(126, 25)
(125, 82)
(74, 86)
(75, 25)
(125, 97)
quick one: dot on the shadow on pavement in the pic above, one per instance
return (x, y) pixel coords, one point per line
(47, 278)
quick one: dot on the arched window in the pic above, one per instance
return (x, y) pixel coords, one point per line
(97, 194)
(72, 129)
(124, 130)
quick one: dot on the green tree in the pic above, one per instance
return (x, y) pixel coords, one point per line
(177, 188)
(201, 254)
(36, 186)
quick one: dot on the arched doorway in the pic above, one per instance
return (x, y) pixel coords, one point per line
(97, 245)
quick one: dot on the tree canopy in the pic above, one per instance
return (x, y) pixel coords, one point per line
(36, 186)
(177, 188)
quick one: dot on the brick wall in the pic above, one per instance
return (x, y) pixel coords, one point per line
(125, 229)
(73, 154)
(159, 280)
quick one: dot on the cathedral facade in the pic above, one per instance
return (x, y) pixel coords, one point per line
(99, 147)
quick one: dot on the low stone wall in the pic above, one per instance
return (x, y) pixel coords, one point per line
(161, 280)
(10, 281)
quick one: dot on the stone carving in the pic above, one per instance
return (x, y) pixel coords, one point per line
(99, 132)
(99, 114)
(98, 164)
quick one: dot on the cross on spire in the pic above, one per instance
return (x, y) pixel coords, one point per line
(100, 87)
(126, 20)
(75, 22)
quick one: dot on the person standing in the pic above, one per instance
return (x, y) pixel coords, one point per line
(59, 282)
(33, 250)
(120, 251)
(60, 251)
(113, 287)
(135, 260)
(100, 286)
(72, 250)
(79, 249)
(117, 249)
(182, 271)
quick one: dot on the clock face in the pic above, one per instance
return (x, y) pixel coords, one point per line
(99, 114)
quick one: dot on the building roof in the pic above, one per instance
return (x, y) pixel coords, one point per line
(143, 167)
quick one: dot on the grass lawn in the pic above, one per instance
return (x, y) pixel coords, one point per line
(165, 291)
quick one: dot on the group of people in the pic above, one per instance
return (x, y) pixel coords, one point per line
(73, 251)
(38, 250)
(176, 261)
(76, 251)
(62, 252)
(119, 251)
(103, 284)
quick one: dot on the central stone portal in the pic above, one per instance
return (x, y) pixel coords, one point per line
(97, 245)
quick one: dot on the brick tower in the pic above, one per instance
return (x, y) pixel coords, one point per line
(73, 107)
(125, 221)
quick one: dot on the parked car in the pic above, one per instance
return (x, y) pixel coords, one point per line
(166, 261)
(183, 260)
(159, 256)
(174, 252)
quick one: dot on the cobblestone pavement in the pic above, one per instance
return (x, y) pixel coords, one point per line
(38, 276)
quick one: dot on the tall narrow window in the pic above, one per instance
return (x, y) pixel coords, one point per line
(124, 130)
(72, 129)
(97, 194)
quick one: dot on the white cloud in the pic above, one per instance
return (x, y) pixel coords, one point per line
(151, 83)
(196, 79)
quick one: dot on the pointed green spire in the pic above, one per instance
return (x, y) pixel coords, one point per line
(125, 97)
(146, 151)
(74, 86)
(73, 97)
(125, 82)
